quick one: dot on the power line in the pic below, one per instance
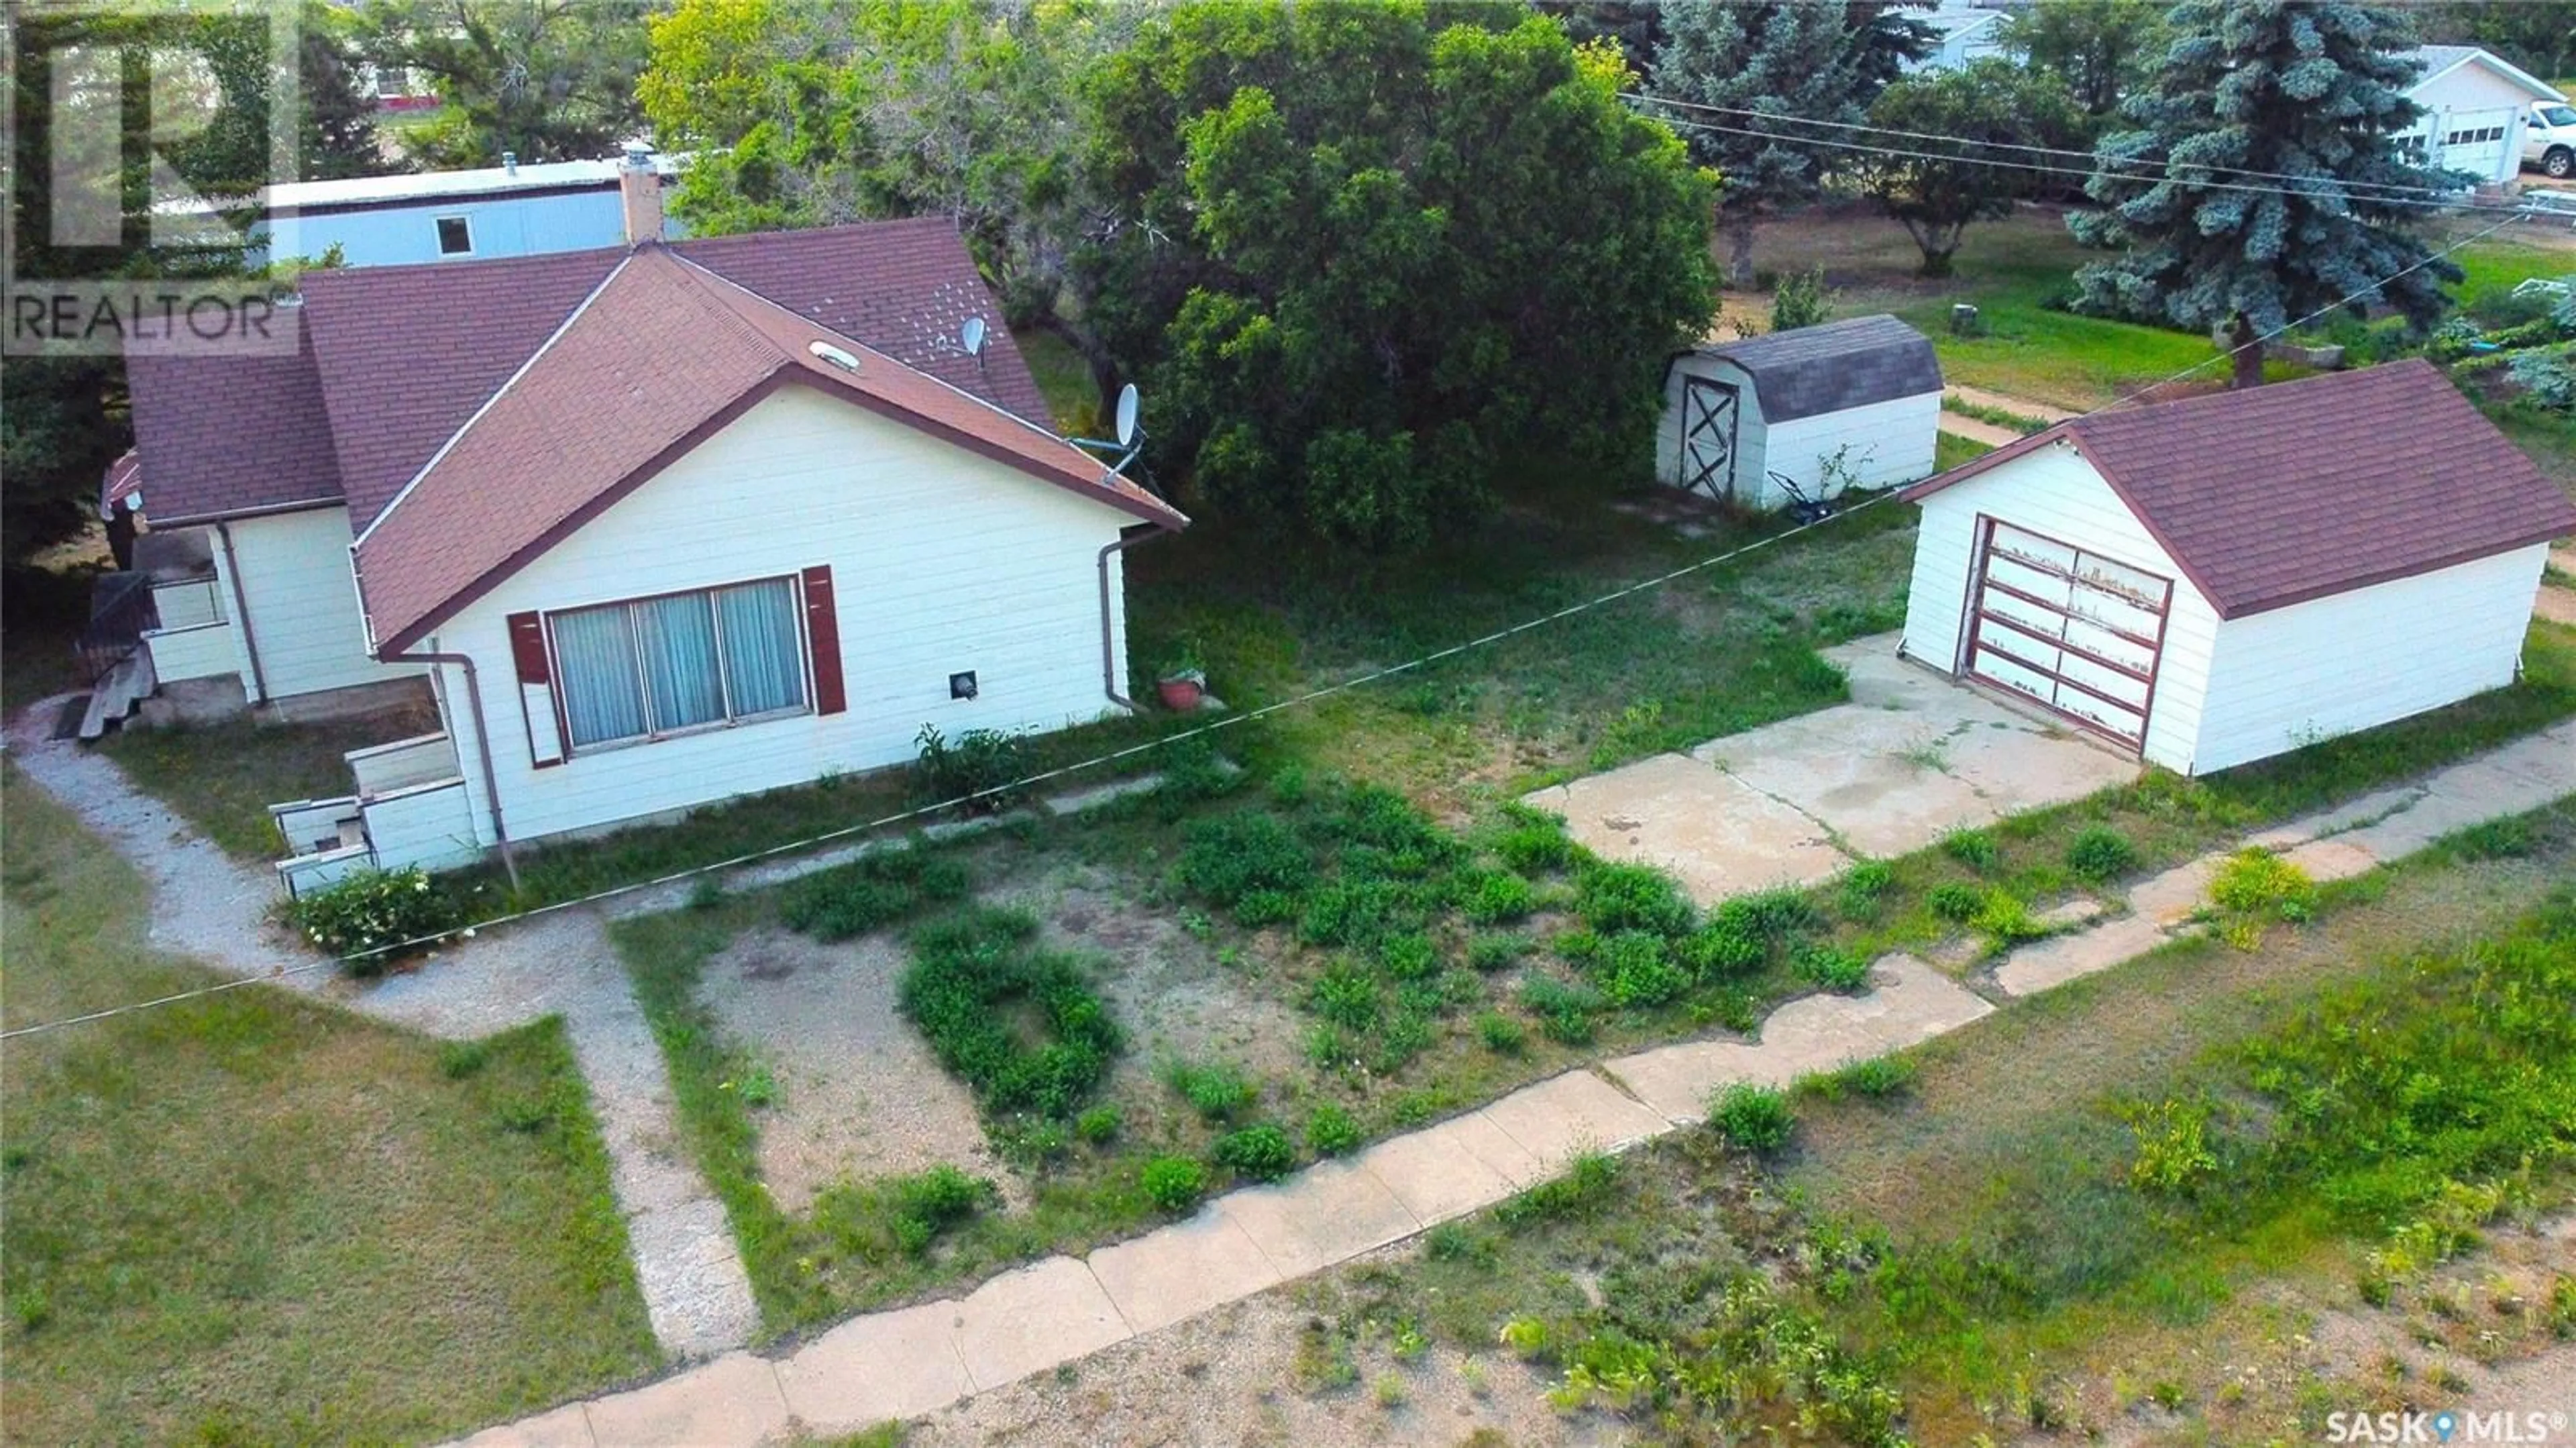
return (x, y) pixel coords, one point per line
(1228, 722)
(2089, 160)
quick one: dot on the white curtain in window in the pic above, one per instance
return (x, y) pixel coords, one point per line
(595, 652)
(763, 664)
(678, 635)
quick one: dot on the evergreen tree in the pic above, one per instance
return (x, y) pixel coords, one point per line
(2103, 48)
(1798, 62)
(2311, 91)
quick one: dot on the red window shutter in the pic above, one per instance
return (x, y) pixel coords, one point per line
(528, 648)
(823, 633)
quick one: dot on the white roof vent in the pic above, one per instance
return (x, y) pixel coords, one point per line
(838, 356)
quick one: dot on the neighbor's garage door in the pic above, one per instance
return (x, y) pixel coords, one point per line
(2076, 631)
(2475, 142)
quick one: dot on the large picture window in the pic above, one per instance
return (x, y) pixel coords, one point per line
(678, 662)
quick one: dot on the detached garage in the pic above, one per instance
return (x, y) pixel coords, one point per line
(2213, 581)
(1801, 415)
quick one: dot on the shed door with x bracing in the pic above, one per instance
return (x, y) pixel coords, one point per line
(2078, 632)
(1709, 410)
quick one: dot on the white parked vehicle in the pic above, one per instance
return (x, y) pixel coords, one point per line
(2549, 139)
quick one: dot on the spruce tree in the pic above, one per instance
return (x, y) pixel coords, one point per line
(2310, 91)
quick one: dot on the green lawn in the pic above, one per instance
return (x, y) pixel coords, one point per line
(258, 1219)
(224, 776)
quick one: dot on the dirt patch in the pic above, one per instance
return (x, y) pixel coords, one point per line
(1243, 1375)
(859, 1094)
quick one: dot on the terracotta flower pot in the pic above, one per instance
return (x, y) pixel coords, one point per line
(1181, 692)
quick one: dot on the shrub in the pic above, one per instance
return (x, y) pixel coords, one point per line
(1755, 1118)
(1239, 855)
(1501, 1034)
(1257, 908)
(870, 892)
(967, 973)
(1773, 915)
(1880, 1076)
(1590, 1182)
(1346, 996)
(1578, 947)
(1351, 912)
(2100, 853)
(2173, 1145)
(1535, 842)
(1564, 1010)
(1217, 1091)
(1954, 902)
(1261, 1153)
(369, 910)
(1722, 948)
(1490, 953)
(977, 769)
(939, 1198)
(1636, 970)
(2005, 917)
(1174, 1183)
(1409, 957)
(1099, 1125)
(1404, 1036)
(1843, 971)
(2257, 881)
(1494, 897)
(1864, 886)
(1972, 848)
(1612, 898)
(1330, 1130)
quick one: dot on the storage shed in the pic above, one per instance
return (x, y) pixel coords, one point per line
(1855, 402)
(2213, 581)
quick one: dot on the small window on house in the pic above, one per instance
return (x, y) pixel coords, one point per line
(683, 661)
(455, 236)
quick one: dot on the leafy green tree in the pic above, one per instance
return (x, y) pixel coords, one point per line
(2537, 35)
(2104, 48)
(1936, 194)
(1388, 257)
(338, 134)
(2316, 92)
(547, 80)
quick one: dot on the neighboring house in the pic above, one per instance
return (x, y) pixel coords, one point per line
(659, 526)
(2476, 106)
(1966, 33)
(1801, 414)
(498, 211)
(2213, 581)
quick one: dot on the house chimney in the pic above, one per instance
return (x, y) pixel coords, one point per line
(639, 191)
(510, 162)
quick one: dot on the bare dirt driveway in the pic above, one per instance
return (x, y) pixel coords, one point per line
(1912, 757)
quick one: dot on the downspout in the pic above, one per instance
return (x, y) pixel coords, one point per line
(241, 611)
(1109, 680)
(482, 746)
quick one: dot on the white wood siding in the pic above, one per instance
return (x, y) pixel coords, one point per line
(302, 605)
(2294, 675)
(942, 561)
(1888, 442)
(2055, 492)
(204, 651)
(2470, 97)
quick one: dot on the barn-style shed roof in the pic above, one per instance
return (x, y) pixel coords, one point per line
(1833, 366)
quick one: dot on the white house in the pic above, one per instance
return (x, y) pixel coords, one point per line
(2213, 581)
(1963, 34)
(495, 211)
(1801, 414)
(2475, 107)
(654, 526)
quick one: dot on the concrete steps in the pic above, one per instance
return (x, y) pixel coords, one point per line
(118, 692)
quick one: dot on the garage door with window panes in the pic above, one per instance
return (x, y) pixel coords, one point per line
(2474, 141)
(2073, 630)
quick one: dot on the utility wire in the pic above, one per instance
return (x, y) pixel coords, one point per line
(2087, 160)
(1230, 721)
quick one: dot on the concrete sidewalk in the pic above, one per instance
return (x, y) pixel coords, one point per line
(900, 1364)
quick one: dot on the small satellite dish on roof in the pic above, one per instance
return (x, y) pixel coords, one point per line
(838, 356)
(1127, 415)
(971, 337)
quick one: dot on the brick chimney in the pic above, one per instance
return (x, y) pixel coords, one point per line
(639, 194)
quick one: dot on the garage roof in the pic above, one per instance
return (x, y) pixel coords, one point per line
(2280, 494)
(1833, 366)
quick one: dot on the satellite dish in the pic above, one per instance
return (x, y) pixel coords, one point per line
(971, 336)
(1127, 415)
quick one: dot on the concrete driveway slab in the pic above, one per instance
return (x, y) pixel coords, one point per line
(885, 1365)
(1333, 1211)
(1028, 1321)
(2042, 964)
(2029, 766)
(565, 1427)
(1577, 1111)
(1182, 1270)
(1718, 835)
(1436, 1174)
(732, 1400)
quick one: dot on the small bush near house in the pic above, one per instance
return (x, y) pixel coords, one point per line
(1755, 1118)
(2099, 854)
(968, 972)
(1864, 887)
(1972, 848)
(1247, 854)
(1260, 1153)
(1877, 1078)
(1612, 898)
(1774, 915)
(1330, 1130)
(871, 892)
(1497, 897)
(1724, 947)
(2173, 1145)
(1535, 843)
(1954, 902)
(1590, 1182)
(974, 768)
(2255, 881)
(1564, 1009)
(1410, 956)
(1636, 970)
(369, 910)
(931, 1202)
(1490, 953)
(1842, 971)
(2004, 918)
(1099, 1125)
(1346, 996)
(1217, 1091)
(1501, 1034)
(1174, 1183)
